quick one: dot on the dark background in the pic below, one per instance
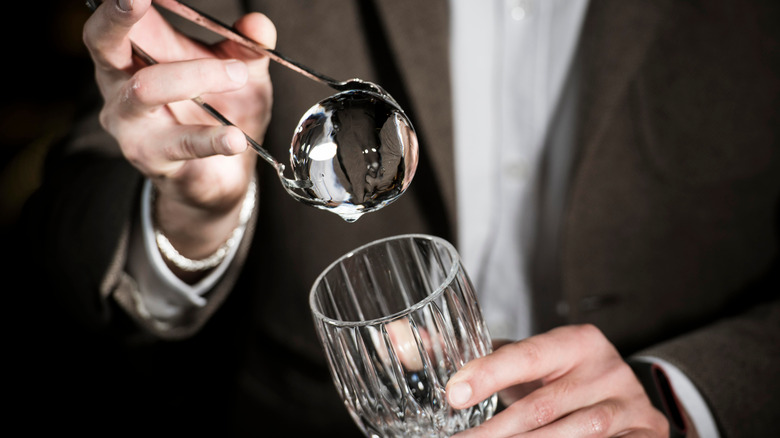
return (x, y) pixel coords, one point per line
(46, 70)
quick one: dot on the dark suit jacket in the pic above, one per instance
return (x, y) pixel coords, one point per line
(668, 242)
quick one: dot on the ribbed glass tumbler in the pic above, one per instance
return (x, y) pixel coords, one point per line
(396, 318)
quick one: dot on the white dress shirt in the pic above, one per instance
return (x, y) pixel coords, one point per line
(161, 295)
(506, 83)
(510, 59)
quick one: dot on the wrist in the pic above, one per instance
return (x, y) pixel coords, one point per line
(199, 242)
(662, 396)
(196, 232)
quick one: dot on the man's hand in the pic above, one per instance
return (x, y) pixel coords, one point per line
(569, 382)
(200, 169)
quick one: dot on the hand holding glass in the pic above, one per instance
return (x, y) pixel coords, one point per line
(396, 318)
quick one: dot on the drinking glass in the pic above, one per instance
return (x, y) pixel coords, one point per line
(397, 317)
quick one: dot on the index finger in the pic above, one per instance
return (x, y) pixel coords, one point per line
(542, 357)
(106, 31)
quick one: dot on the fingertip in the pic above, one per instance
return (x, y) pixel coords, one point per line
(237, 71)
(109, 25)
(259, 27)
(459, 394)
(232, 141)
(124, 5)
(129, 9)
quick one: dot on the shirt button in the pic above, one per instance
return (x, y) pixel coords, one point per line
(516, 170)
(519, 9)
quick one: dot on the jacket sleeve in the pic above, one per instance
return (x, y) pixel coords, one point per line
(717, 359)
(77, 227)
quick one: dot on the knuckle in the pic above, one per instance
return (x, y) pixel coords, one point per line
(90, 34)
(599, 419)
(216, 141)
(530, 350)
(544, 412)
(590, 332)
(186, 145)
(591, 337)
(135, 89)
(105, 119)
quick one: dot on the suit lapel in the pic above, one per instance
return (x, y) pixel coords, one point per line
(615, 38)
(418, 36)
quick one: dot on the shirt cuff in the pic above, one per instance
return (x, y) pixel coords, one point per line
(688, 396)
(163, 297)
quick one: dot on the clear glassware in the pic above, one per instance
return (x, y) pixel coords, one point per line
(351, 153)
(397, 317)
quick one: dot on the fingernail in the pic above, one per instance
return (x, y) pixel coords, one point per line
(125, 5)
(236, 71)
(225, 143)
(459, 394)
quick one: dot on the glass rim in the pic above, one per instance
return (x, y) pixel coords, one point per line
(393, 316)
